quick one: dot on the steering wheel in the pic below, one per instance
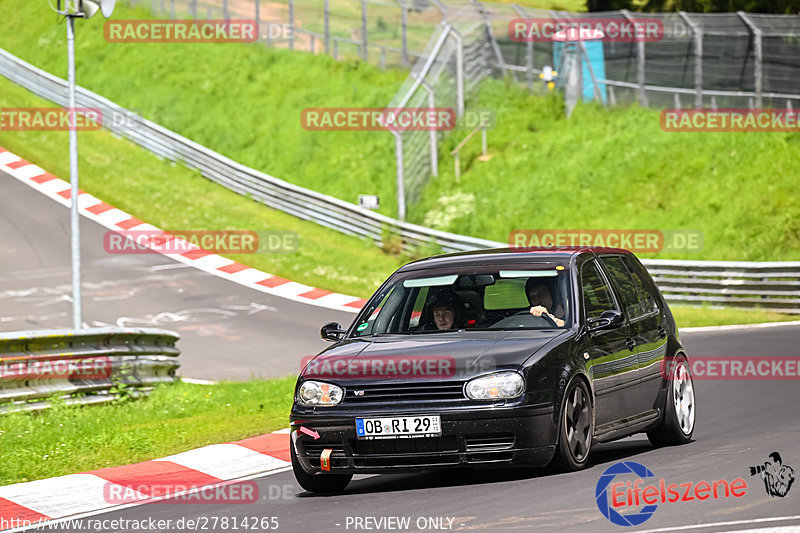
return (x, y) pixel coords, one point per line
(546, 317)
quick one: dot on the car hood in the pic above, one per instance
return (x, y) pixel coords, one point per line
(457, 355)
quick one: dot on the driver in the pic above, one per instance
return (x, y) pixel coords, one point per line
(541, 299)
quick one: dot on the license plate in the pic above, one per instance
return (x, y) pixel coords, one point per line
(398, 427)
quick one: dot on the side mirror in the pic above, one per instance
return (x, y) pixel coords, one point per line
(332, 331)
(608, 320)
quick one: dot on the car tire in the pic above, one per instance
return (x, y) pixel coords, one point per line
(319, 483)
(677, 425)
(575, 428)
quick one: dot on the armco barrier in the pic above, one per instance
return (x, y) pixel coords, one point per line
(32, 363)
(774, 286)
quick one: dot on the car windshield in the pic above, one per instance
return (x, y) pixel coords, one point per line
(510, 297)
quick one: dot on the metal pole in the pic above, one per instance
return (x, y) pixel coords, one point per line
(225, 14)
(528, 50)
(172, 9)
(758, 37)
(258, 23)
(484, 143)
(401, 190)
(74, 221)
(364, 28)
(433, 139)
(698, 58)
(404, 23)
(640, 63)
(194, 9)
(459, 72)
(327, 27)
(291, 25)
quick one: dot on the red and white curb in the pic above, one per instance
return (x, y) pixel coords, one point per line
(118, 220)
(76, 494)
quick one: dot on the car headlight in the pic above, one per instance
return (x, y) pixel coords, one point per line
(318, 393)
(495, 386)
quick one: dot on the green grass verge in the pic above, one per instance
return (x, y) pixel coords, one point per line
(173, 419)
(696, 316)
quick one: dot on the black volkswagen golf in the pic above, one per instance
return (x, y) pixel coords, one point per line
(495, 357)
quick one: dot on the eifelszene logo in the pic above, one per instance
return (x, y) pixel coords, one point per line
(778, 477)
(614, 498)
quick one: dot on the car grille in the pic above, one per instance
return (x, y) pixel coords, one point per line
(393, 392)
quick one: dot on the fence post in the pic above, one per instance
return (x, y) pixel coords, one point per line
(404, 30)
(335, 49)
(327, 16)
(383, 58)
(172, 9)
(258, 23)
(364, 28)
(492, 41)
(639, 61)
(758, 37)
(194, 9)
(291, 24)
(225, 13)
(401, 191)
(528, 50)
(433, 139)
(698, 58)
(459, 72)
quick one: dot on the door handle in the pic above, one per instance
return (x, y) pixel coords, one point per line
(662, 333)
(631, 344)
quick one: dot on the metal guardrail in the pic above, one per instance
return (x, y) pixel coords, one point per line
(82, 367)
(774, 286)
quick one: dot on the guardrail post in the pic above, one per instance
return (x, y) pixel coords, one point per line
(364, 29)
(758, 37)
(698, 58)
(291, 24)
(327, 15)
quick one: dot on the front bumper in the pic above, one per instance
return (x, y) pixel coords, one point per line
(522, 435)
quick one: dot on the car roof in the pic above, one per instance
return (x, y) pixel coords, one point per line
(506, 255)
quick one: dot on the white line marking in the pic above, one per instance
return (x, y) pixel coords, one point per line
(741, 326)
(717, 524)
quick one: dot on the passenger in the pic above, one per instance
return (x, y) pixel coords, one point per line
(541, 299)
(445, 311)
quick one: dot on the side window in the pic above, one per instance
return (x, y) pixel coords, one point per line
(643, 287)
(419, 305)
(596, 294)
(624, 282)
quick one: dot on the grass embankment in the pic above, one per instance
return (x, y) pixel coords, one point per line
(173, 419)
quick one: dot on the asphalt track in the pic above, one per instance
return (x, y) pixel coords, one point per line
(739, 423)
(227, 331)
